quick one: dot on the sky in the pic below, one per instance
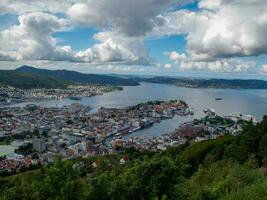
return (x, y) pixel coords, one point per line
(193, 38)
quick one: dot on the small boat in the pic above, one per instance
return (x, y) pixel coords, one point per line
(75, 98)
(218, 99)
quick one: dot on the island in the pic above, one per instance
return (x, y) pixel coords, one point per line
(10, 95)
(208, 82)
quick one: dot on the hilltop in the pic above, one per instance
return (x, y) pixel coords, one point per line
(31, 77)
(209, 83)
(75, 76)
(27, 77)
(27, 80)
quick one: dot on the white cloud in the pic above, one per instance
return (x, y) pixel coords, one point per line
(264, 69)
(220, 65)
(119, 68)
(216, 35)
(177, 57)
(232, 28)
(210, 4)
(123, 23)
(26, 6)
(223, 65)
(8, 56)
(168, 66)
(112, 47)
(130, 17)
(32, 39)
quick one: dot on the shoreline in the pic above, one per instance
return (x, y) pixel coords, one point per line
(38, 95)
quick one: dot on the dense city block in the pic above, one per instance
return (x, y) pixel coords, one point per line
(41, 133)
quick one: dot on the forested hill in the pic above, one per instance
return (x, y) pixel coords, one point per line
(209, 83)
(30, 77)
(27, 81)
(79, 77)
(225, 168)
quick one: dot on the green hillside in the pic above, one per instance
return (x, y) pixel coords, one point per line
(79, 77)
(226, 168)
(28, 81)
(27, 77)
(209, 83)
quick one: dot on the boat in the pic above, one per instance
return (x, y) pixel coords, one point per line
(136, 129)
(75, 98)
(218, 99)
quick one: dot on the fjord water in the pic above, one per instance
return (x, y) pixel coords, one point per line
(253, 102)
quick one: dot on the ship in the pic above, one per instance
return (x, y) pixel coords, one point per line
(76, 98)
(218, 99)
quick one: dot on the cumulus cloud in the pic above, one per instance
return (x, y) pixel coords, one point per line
(210, 4)
(216, 34)
(120, 68)
(220, 65)
(125, 23)
(8, 56)
(32, 40)
(176, 57)
(112, 47)
(168, 66)
(264, 69)
(130, 17)
(222, 29)
(223, 65)
(26, 6)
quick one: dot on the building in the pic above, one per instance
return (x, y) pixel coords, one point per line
(39, 145)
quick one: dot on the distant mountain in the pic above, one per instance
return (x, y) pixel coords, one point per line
(209, 83)
(27, 80)
(79, 77)
(131, 76)
(27, 77)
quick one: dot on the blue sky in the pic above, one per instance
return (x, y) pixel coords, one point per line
(79, 38)
(8, 20)
(206, 38)
(157, 46)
